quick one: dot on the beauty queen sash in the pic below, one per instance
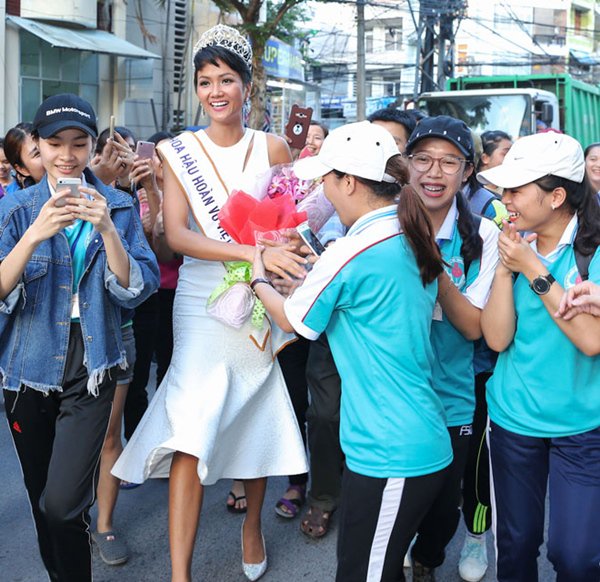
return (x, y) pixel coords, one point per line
(206, 193)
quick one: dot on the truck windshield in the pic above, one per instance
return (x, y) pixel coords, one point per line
(509, 113)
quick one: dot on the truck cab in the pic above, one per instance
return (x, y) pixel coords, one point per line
(518, 111)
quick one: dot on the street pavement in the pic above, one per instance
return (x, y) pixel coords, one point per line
(141, 517)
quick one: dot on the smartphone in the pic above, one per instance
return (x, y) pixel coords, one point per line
(67, 188)
(297, 126)
(310, 239)
(144, 149)
(111, 127)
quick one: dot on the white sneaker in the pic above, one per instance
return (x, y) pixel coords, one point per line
(473, 558)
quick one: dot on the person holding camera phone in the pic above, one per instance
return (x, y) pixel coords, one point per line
(66, 274)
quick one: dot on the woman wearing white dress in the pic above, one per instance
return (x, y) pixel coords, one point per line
(222, 410)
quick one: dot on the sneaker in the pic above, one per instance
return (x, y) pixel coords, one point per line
(113, 550)
(422, 573)
(473, 559)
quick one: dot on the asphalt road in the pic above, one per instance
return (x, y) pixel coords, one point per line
(141, 517)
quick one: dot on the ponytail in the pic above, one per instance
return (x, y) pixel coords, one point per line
(472, 244)
(417, 227)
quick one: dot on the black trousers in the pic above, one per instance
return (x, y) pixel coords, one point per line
(323, 418)
(145, 330)
(477, 510)
(164, 341)
(58, 438)
(441, 520)
(293, 359)
(378, 519)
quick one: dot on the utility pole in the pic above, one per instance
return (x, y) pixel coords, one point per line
(361, 77)
(436, 32)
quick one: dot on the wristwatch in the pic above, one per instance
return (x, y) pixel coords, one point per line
(542, 283)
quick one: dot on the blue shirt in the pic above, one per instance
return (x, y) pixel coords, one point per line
(35, 317)
(543, 386)
(453, 373)
(366, 292)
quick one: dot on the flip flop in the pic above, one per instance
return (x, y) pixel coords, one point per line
(233, 508)
(289, 508)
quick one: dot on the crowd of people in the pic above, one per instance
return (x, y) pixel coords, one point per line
(442, 354)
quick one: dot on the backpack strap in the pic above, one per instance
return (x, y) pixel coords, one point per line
(583, 264)
(481, 200)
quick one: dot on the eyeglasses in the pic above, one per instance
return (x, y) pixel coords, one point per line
(448, 164)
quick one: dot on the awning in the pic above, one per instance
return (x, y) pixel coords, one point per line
(584, 58)
(95, 41)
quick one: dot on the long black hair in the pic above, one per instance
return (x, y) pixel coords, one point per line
(471, 248)
(412, 214)
(583, 201)
(13, 144)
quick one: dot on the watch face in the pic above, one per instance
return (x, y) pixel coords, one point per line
(541, 285)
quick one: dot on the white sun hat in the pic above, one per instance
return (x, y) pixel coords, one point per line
(535, 156)
(360, 149)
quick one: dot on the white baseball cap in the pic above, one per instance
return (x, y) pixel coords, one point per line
(535, 156)
(360, 149)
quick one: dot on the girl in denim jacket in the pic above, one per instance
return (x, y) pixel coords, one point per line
(68, 266)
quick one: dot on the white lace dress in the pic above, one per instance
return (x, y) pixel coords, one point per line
(223, 399)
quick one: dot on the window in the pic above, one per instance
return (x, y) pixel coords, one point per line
(369, 41)
(577, 20)
(140, 78)
(46, 71)
(393, 38)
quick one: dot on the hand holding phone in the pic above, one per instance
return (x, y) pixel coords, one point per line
(297, 126)
(144, 149)
(310, 239)
(66, 188)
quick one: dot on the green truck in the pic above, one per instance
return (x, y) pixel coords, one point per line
(520, 104)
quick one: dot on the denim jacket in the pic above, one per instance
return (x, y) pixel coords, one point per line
(35, 317)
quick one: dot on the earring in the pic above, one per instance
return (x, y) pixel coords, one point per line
(552, 206)
(246, 109)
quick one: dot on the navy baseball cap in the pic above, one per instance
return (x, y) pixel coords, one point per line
(64, 111)
(445, 127)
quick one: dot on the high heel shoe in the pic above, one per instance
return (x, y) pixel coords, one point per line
(254, 571)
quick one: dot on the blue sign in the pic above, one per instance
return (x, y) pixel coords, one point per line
(283, 61)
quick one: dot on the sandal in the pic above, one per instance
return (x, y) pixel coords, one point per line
(316, 522)
(289, 508)
(232, 507)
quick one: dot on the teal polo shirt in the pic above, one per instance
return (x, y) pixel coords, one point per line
(543, 386)
(453, 372)
(367, 294)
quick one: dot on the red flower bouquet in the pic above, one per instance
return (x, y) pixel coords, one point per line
(247, 220)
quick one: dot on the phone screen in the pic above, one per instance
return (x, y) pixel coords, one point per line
(111, 127)
(311, 239)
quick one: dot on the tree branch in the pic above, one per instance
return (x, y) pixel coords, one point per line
(285, 7)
